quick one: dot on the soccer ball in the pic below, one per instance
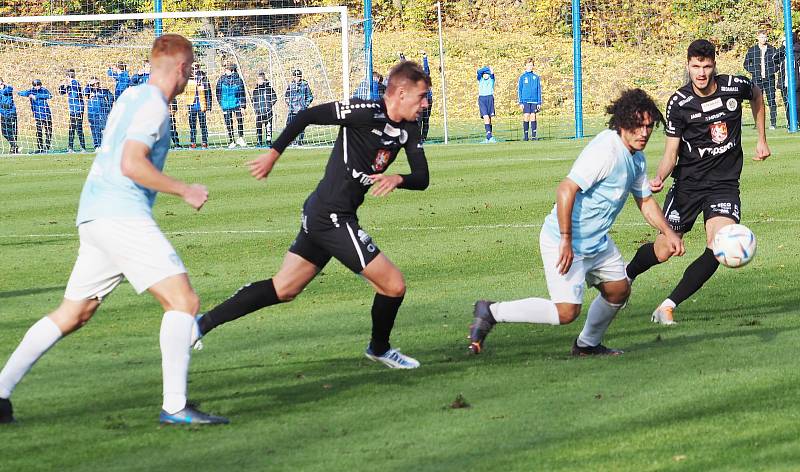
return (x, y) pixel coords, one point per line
(734, 245)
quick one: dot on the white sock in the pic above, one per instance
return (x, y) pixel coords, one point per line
(668, 303)
(39, 338)
(601, 312)
(175, 339)
(528, 310)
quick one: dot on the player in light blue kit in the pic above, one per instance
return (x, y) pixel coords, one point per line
(574, 240)
(119, 238)
(486, 100)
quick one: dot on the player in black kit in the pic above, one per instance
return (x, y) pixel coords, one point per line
(370, 136)
(704, 155)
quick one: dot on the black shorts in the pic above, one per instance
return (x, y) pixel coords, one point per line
(682, 206)
(344, 240)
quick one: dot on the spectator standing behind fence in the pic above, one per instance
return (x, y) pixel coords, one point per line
(264, 99)
(142, 75)
(8, 115)
(232, 99)
(72, 89)
(99, 101)
(198, 94)
(759, 62)
(486, 100)
(173, 125)
(529, 92)
(372, 91)
(783, 78)
(119, 72)
(298, 97)
(425, 114)
(39, 96)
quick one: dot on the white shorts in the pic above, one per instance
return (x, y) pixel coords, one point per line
(605, 266)
(134, 248)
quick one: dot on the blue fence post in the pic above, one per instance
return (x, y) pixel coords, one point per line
(790, 70)
(157, 25)
(576, 67)
(368, 46)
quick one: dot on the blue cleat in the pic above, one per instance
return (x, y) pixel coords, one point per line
(6, 411)
(190, 415)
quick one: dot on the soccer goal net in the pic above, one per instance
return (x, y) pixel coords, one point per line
(61, 74)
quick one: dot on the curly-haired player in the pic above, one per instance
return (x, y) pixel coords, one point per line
(574, 240)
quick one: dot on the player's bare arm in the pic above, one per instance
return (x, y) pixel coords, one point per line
(261, 166)
(666, 165)
(137, 167)
(384, 184)
(655, 217)
(757, 106)
(565, 201)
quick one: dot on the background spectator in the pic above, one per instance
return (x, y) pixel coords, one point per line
(529, 93)
(783, 78)
(425, 113)
(264, 99)
(232, 99)
(760, 63)
(298, 97)
(8, 115)
(119, 73)
(72, 89)
(198, 92)
(486, 100)
(98, 106)
(39, 96)
(142, 75)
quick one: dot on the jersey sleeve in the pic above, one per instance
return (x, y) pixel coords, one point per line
(592, 167)
(641, 186)
(419, 177)
(746, 88)
(674, 118)
(146, 122)
(332, 113)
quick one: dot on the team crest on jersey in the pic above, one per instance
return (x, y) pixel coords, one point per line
(381, 160)
(731, 104)
(719, 132)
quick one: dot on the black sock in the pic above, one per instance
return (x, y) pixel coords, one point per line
(250, 298)
(698, 272)
(644, 259)
(384, 311)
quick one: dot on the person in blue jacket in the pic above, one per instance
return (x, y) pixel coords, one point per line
(425, 113)
(72, 89)
(39, 96)
(372, 91)
(8, 115)
(119, 72)
(232, 99)
(98, 105)
(142, 75)
(529, 93)
(264, 99)
(298, 97)
(486, 100)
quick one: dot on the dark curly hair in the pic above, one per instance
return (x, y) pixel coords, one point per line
(701, 49)
(627, 112)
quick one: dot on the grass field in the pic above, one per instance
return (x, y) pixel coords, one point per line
(717, 392)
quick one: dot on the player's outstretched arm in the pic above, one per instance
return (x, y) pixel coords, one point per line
(137, 167)
(757, 105)
(666, 165)
(565, 201)
(261, 166)
(655, 217)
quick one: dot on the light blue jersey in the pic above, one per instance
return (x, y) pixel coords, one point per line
(606, 172)
(486, 86)
(141, 114)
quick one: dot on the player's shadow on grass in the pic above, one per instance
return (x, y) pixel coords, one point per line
(30, 291)
(38, 242)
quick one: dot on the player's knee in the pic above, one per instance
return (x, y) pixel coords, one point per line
(396, 289)
(619, 297)
(187, 302)
(567, 312)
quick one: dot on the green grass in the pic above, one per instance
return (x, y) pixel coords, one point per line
(717, 392)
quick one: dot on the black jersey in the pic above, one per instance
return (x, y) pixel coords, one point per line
(367, 144)
(710, 129)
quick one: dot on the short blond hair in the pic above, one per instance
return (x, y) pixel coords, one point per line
(171, 45)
